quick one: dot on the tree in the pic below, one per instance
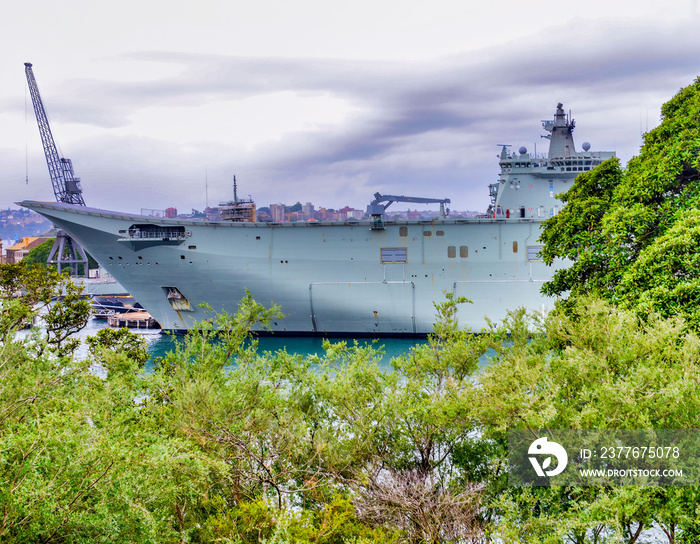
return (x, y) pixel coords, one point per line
(296, 433)
(665, 277)
(616, 221)
(65, 317)
(223, 443)
(40, 254)
(26, 294)
(594, 366)
(80, 460)
(577, 234)
(412, 480)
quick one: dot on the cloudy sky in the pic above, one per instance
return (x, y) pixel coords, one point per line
(159, 103)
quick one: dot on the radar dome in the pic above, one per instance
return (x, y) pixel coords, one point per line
(586, 146)
(523, 150)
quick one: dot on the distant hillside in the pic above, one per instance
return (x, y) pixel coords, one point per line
(20, 223)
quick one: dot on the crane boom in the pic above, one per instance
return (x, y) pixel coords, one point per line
(376, 208)
(66, 186)
(394, 198)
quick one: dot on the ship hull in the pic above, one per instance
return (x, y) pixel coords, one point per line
(354, 278)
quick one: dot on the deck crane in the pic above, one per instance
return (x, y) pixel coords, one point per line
(66, 186)
(377, 208)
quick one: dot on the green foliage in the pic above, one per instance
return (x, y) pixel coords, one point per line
(576, 233)
(294, 208)
(40, 254)
(260, 416)
(80, 461)
(256, 521)
(65, 317)
(30, 285)
(119, 351)
(27, 292)
(665, 278)
(623, 229)
(430, 401)
(596, 367)
(593, 367)
(294, 433)
(631, 239)
(221, 443)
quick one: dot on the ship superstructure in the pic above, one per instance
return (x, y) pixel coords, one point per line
(238, 210)
(528, 183)
(359, 277)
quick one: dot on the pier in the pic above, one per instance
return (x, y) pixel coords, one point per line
(132, 320)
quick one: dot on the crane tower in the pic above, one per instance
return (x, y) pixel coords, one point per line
(66, 186)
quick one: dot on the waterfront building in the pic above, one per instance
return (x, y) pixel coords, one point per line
(19, 251)
(307, 211)
(277, 213)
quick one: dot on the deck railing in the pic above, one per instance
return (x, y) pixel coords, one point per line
(156, 234)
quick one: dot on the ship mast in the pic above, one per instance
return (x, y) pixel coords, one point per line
(561, 139)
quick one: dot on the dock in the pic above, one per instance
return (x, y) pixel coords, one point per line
(133, 320)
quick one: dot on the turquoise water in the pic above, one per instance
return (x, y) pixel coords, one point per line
(159, 344)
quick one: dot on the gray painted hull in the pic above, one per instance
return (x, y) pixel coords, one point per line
(327, 278)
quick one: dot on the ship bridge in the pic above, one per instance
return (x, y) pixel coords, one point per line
(529, 184)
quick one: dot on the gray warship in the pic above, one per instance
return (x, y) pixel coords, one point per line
(371, 277)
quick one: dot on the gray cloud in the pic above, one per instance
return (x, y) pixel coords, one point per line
(420, 128)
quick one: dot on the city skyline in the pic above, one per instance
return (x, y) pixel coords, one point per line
(307, 211)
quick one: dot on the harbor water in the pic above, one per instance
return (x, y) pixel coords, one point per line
(160, 344)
